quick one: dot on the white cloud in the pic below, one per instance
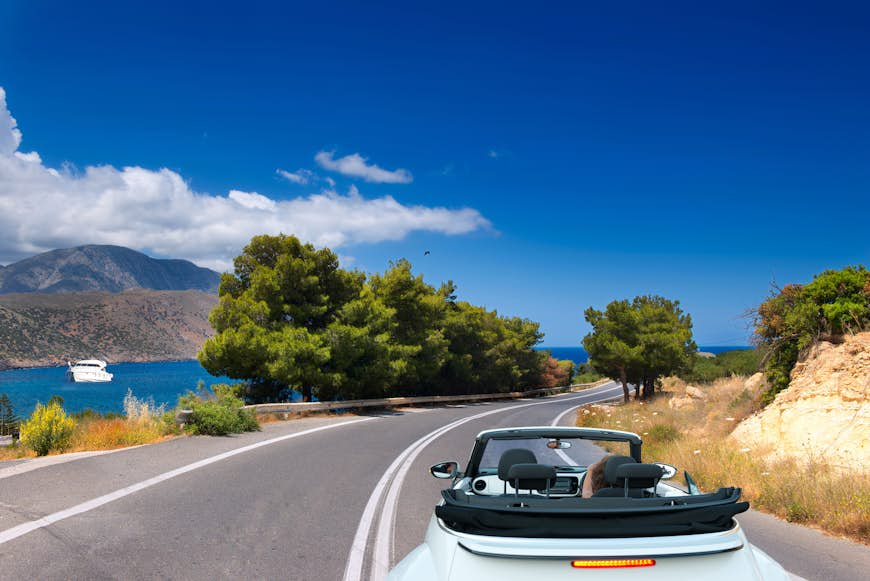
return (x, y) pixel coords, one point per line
(42, 208)
(10, 136)
(300, 176)
(354, 165)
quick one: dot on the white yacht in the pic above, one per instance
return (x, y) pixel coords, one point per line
(88, 370)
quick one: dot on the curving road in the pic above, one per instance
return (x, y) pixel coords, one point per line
(339, 498)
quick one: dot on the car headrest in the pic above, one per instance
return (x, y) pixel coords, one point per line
(638, 475)
(611, 466)
(531, 476)
(514, 456)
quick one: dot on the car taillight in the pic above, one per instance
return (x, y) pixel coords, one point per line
(611, 563)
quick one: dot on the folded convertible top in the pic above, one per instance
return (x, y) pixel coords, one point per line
(591, 518)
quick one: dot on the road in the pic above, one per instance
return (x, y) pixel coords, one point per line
(340, 497)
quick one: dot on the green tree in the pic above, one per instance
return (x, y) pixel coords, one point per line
(836, 302)
(8, 420)
(613, 345)
(640, 341)
(665, 339)
(273, 313)
(416, 331)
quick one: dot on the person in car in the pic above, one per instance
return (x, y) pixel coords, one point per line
(594, 480)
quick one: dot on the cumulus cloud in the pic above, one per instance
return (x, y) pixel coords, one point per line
(10, 136)
(356, 166)
(42, 208)
(300, 176)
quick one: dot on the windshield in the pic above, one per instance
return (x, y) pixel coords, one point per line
(566, 453)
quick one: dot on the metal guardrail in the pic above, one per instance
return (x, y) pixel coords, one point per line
(318, 406)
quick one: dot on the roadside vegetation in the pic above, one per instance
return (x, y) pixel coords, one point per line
(688, 426)
(51, 430)
(291, 319)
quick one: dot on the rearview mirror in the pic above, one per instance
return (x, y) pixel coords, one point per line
(444, 470)
(558, 444)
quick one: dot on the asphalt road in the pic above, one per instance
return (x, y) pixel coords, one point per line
(318, 498)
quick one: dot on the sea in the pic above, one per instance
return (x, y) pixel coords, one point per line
(158, 382)
(578, 355)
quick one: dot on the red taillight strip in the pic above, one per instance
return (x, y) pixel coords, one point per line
(611, 563)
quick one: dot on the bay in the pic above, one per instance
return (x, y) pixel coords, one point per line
(161, 382)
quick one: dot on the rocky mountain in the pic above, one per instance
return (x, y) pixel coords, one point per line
(103, 268)
(825, 412)
(138, 325)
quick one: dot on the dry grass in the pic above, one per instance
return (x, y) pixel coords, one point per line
(15, 453)
(102, 434)
(692, 434)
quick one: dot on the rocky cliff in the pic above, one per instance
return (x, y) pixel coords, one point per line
(825, 412)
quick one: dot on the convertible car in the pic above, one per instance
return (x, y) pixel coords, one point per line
(518, 512)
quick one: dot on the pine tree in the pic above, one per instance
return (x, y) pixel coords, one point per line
(8, 420)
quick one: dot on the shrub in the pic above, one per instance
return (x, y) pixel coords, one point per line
(49, 428)
(664, 433)
(218, 414)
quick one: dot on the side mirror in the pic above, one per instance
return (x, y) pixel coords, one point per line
(668, 471)
(444, 470)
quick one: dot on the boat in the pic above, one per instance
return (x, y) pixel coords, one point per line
(88, 370)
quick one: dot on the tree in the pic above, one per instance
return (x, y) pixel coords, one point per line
(416, 333)
(272, 316)
(640, 341)
(290, 318)
(8, 420)
(665, 339)
(612, 345)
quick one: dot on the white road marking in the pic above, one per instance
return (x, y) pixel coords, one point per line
(384, 538)
(28, 527)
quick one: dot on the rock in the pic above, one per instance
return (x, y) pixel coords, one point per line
(824, 413)
(694, 392)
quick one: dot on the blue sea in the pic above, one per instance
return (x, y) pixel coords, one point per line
(162, 381)
(578, 354)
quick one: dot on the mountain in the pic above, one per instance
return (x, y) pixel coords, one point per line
(39, 329)
(103, 268)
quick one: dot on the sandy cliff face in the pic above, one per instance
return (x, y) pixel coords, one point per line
(824, 412)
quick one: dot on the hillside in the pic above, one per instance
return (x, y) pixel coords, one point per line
(103, 268)
(136, 325)
(825, 412)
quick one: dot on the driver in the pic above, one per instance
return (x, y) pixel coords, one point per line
(594, 479)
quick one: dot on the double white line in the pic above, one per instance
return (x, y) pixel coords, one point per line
(388, 488)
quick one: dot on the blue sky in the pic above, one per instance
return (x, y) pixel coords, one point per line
(550, 156)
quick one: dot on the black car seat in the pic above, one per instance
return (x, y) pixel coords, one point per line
(630, 479)
(511, 457)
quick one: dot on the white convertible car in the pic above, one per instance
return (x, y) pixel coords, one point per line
(517, 512)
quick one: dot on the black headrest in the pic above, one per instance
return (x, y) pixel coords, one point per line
(638, 475)
(531, 476)
(612, 464)
(514, 456)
